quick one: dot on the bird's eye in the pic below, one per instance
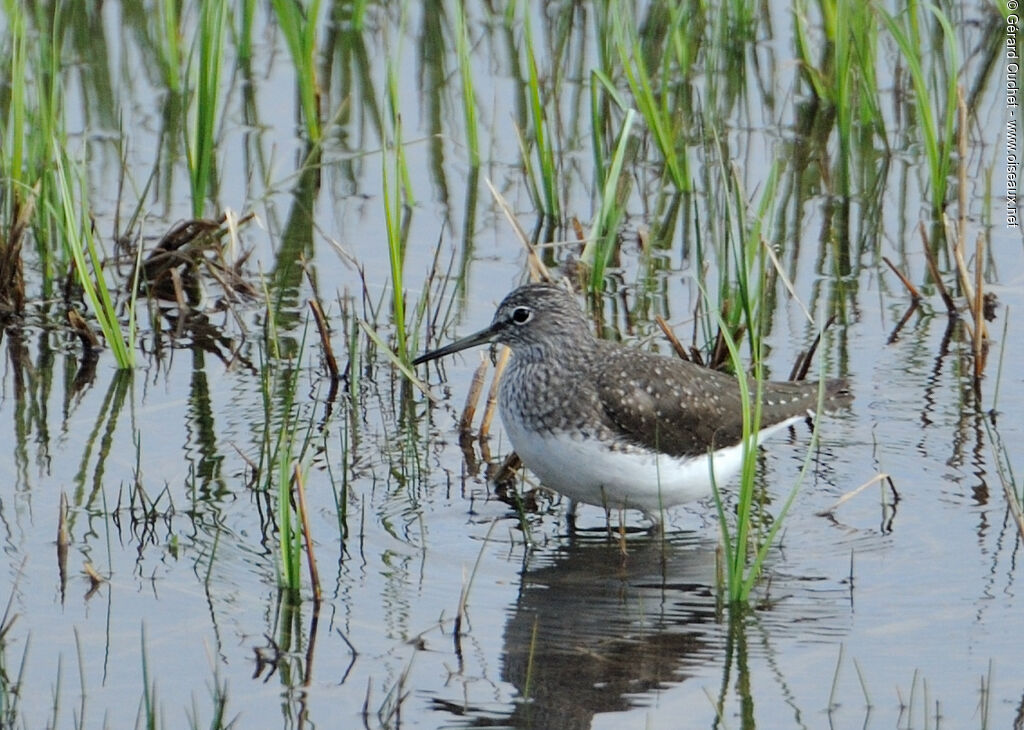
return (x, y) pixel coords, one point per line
(522, 315)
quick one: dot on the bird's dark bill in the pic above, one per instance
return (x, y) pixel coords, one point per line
(478, 338)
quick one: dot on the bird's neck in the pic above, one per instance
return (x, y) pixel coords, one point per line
(557, 355)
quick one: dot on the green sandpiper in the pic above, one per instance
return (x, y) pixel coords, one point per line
(618, 427)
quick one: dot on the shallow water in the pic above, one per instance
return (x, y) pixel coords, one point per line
(881, 613)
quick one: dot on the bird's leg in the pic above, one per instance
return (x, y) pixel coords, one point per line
(570, 517)
(657, 526)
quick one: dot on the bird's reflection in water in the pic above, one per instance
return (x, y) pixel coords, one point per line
(594, 629)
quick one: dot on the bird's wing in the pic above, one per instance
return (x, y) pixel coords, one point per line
(683, 409)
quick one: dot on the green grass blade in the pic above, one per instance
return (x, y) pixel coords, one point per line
(468, 96)
(79, 240)
(202, 145)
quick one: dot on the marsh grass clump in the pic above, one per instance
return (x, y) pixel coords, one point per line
(657, 70)
(935, 88)
(469, 102)
(285, 443)
(748, 535)
(12, 274)
(12, 674)
(842, 74)
(537, 142)
(615, 186)
(206, 92)
(30, 146)
(299, 25)
(78, 233)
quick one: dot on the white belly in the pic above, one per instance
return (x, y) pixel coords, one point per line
(588, 472)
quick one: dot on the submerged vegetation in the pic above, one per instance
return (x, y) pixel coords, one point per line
(184, 180)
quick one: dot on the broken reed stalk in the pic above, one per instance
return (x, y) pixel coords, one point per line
(781, 272)
(577, 229)
(974, 294)
(976, 327)
(803, 361)
(307, 536)
(914, 293)
(95, 579)
(492, 394)
(720, 352)
(90, 341)
(677, 346)
(974, 291)
(538, 271)
(179, 291)
(980, 329)
(933, 270)
(476, 387)
(325, 337)
(854, 492)
(961, 109)
(915, 300)
(621, 531)
(63, 541)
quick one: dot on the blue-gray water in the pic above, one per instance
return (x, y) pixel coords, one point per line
(876, 615)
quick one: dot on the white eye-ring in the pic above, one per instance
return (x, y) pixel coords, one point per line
(521, 315)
